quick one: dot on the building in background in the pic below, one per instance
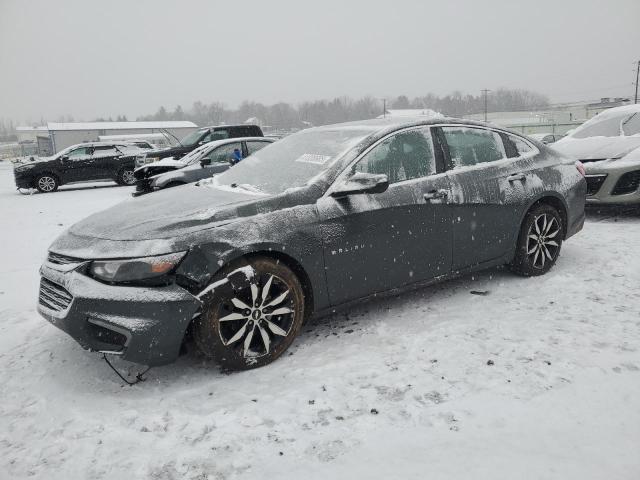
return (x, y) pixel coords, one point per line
(63, 135)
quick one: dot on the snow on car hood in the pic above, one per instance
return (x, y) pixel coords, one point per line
(596, 147)
(165, 214)
(161, 164)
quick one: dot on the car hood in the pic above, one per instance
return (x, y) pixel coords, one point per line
(164, 165)
(596, 148)
(168, 214)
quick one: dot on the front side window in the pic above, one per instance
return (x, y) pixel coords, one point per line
(471, 146)
(79, 153)
(520, 145)
(224, 154)
(404, 156)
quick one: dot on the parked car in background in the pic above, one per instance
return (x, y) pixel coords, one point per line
(202, 136)
(205, 161)
(609, 147)
(85, 162)
(314, 222)
(546, 138)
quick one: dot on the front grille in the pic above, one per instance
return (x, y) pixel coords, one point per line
(53, 296)
(58, 259)
(594, 182)
(627, 183)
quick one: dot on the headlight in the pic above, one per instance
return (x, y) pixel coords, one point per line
(132, 269)
(23, 168)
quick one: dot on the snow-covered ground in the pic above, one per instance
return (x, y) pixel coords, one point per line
(537, 379)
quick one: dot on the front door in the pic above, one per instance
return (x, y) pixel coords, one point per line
(77, 165)
(377, 242)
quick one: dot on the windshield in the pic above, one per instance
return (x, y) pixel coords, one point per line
(291, 162)
(194, 155)
(602, 126)
(192, 138)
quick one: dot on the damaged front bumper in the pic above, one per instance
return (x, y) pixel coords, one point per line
(145, 325)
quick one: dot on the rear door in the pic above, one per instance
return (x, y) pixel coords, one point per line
(106, 161)
(377, 242)
(488, 193)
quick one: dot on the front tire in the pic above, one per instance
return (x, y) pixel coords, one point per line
(126, 177)
(46, 183)
(252, 315)
(539, 242)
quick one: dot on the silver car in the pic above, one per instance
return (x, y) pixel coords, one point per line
(609, 147)
(205, 161)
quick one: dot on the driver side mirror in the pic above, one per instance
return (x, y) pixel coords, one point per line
(361, 182)
(205, 162)
(64, 158)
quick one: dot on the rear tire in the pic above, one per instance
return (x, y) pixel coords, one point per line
(46, 183)
(252, 316)
(126, 177)
(539, 241)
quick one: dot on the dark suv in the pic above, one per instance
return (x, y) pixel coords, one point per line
(206, 135)
(79, 163)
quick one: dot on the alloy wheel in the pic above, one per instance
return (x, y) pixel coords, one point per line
(128, 178)
(46, 184)
(256, 319)
(542, 244)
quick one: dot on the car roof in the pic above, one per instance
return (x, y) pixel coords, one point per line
(382, 126)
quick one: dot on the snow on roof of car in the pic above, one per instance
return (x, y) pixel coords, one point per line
(618, 111)
(119, 125)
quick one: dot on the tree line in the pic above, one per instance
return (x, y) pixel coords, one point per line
(343, 109)
(283, 115)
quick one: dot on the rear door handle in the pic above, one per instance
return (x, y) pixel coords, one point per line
(516, 176)
(435, 194)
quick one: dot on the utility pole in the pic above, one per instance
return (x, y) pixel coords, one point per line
(485, 91)
(384, 108)
(637, 75)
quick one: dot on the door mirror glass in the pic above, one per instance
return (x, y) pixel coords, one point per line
(205, 162)
(361, 182)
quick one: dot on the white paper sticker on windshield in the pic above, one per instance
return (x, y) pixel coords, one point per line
(313, 158)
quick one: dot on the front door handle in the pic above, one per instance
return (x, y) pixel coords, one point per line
(516, 176)
(435, 194)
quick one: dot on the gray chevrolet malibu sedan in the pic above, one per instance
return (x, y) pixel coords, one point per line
(310, 224)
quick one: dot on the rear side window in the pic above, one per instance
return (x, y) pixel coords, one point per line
(255, 146)
(105, 151)
(404, 156)
(471, 146)
(519, 145)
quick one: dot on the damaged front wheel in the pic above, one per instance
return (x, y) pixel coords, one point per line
(251, 314)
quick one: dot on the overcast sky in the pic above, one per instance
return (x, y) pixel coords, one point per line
(100, 58)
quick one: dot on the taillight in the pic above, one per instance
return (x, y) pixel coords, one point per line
(580, 168)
